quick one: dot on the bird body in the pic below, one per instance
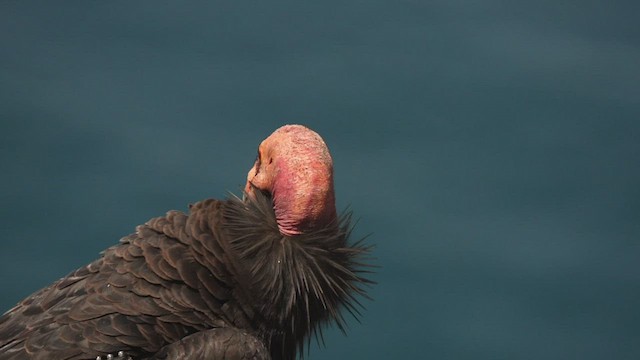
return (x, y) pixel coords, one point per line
(223, 281)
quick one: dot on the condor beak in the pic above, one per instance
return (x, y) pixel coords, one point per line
(249, 187)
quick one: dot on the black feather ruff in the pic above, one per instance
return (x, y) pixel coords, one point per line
(299, 284)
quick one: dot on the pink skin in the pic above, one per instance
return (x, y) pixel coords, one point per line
(295, 166)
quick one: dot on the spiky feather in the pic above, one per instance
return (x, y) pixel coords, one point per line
(300, 283)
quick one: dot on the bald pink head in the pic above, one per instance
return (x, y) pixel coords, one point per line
(295, 166)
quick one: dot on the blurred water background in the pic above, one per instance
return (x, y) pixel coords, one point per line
(490, 147)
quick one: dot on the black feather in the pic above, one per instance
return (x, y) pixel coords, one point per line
(221, 279)
(299, 283)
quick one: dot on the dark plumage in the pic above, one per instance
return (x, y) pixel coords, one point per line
(221, 282)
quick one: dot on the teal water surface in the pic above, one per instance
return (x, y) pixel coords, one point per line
(490, 148)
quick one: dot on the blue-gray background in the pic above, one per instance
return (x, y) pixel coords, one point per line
(491, 147)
